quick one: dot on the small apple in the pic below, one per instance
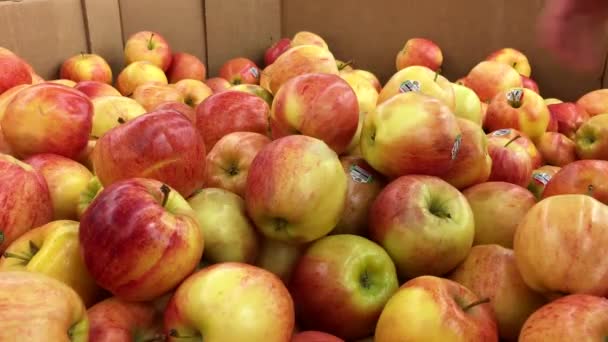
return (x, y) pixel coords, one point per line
(540, 178)
(467, 104)
(179, 107)
(150, 95)
(217, 84)
(86, 67)
(138, 73)
(14, 72)
(514, 58)
(279, 257)
(557, 149)
(111, 111)
(587, 177)
(419, 51)
(275, 50)
(193, 91)
(186, 66)
(488, 78)
(95, 89)
(592, 138)
(240, 71)
(255, 90)
(511, 161)
(594, 102)
(148, 46)
(569, 118)
(308, 38)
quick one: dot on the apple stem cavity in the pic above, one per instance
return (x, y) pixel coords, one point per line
(590, 190)
(150, 44)
(121, 120)
(280, 224)
(165, 189)
(512, 140)
(476, 303)
(365, 281)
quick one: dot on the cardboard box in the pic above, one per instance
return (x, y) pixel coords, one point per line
(368, 32)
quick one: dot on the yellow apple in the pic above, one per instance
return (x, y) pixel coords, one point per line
(468, 105)
(110, 111)
(367, 95)
(193, 91)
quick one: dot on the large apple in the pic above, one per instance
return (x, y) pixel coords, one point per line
(231, 111)
(186, 66)
(230, 302)
(150, 95)
(498, 207)
(577, 317)
(48, 118)
(86, 67)
(276, 49)
(514, 58)
(279, 257)
(322, 106)
(419, 51)
(467, 104)
(5, 99)
(556, 149)
(594, 102)
(540, 178)
(436, 309)
(341, 284)
(217, 84)
(229, 235)
(425, 224)
(558, 246)
(592, 138)
(25, 201)
(411, 133)
(588, 177)
(193, 91)
(40, 249)
(569, 117)
(419, 79)
(94, 89)
(148, 46)
(112, 111)
(490, 271)
(520, 109)
(138, 73)
(308, 38)
(36, 307)
(117, 320)
(65, 178)
(162, 145)
(14, 72)
(488, 78)
(296, 189)
(228, 162)
(140, 239)
(240, 71)
(511, 161)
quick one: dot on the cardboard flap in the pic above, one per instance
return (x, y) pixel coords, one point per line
(104, 31)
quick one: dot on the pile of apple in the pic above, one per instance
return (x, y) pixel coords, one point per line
(301, 201)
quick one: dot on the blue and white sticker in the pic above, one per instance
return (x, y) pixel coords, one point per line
(515, 95)
(501, 132)
(542, 178)
(254, 71)
(359, 175)
(408, 86)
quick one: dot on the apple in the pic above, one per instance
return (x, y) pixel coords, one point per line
(229, 160)
(514, 58)
(340, 285)
(65, 178)
(179, 107)
(14, 72)
(87, 195)
(540, 178)
(511, 161)
(231, 111)
(116, 320)
(322, 106)
(140, 239)
(296, 189)
(186, 66)
(5, 99)
(592, 138)
(138, 73)
(529, 83)
(419, 79)
(594, 102)
(94, 89)
(36, 307)
(255, 90)
(364, 184)
(240, 71)
(424, 223)
(148, 46)
(150, 95)
(367, 95)
(229, 235)
(296, 61)
(111, 111)
(63, 82)
(39, 249)
(467, 104)
(490, 271)
(489, 78)
(523, 141)
(437, 309)
(411, 133)
(588, 177)
(314, 336)
(48, 118)
(577, 317)
(369, 76)
(276, 49)
(568, 116)
(209, 302)
(553, 125)
(161, 145)
(86, 67)
(551, 100)
(572, 230)
(217, 84)
(279, 257)
(473, 164)
(520, 109)
(557, 149)
(308, 38)
(492, 200)
(193, 91)
(419, 51)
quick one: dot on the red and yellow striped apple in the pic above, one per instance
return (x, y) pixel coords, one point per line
(111, 111)
(94, 89)
(240, 70)
(186, 66)
(14, 72)
(419, 51)
(419, 79)
(594, 102)
(148, 46)
(511, 159)
(588, 177)
(138, 73)
(568, 116)
(514, 58)
(193, 91)
(86, 67)
(489, 78)
(556, 149)
(592, 138)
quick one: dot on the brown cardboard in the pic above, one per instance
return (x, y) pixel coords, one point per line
(104, 31)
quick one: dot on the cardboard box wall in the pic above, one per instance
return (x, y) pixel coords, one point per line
(370, 32)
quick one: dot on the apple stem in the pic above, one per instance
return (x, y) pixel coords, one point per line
(16, 256)
(345, 64)
(165, 189)
(512, 140)
(150, 46)
(590, 190)
(121, 120)
(437, 72)
(474, 304)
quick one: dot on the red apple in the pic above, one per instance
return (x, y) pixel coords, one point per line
(498, 207)
(186, 66)
(557, 149)
(420, 51)
(5, 99)
(217, 84)
(172, 152)
(148, 46)
(86, 67)
(488, 78)
(180, 107)
(229, 160)
(511, 161)
(529, 83)
(341, 284)
(575, 317)
(138, 73)
(140, 239)
(48, 118)
(514, 58)
(94, 89)
(275, 50)
(193, 91)
(231, 111)
(592, 138)
(540, 178)
(25, 201)
(314, 336)
(322, 106)
(150, 95)
(594, 102)
(588, 177)
(507, 133)
(14, 72)
(240, 71)
(568, 117)
(436, 309)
